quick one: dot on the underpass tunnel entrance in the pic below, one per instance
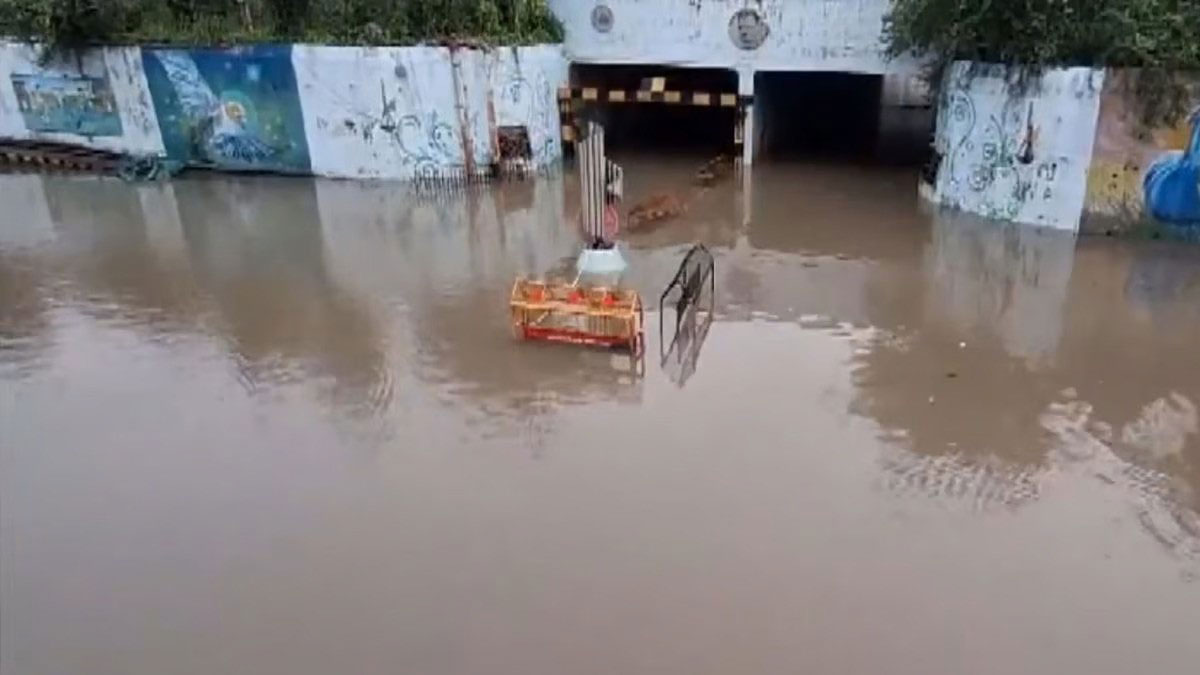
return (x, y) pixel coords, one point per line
(659, 108)
(839, 116)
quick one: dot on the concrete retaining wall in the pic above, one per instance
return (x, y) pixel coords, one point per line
(1017, 151)
(1067, 149)
(413, 111)
(385, 112)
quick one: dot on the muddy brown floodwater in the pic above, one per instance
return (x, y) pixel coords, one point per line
(267, 425)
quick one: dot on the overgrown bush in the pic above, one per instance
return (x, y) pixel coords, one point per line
(74, 23)
(1161, 37)
(1154, 33)
(61, 23)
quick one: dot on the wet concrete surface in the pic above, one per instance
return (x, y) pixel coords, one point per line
(266, 425)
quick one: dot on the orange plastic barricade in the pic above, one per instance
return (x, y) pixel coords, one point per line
(559, 312)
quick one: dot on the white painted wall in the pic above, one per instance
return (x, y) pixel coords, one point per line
(815, 35)
(400, 112)
(375, 112)
(121, 67)
(525, 82)
(984, 127)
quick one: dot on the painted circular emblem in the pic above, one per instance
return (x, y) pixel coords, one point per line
(602, 18)
(747, 29)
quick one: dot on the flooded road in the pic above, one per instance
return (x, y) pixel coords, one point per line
(267, 425)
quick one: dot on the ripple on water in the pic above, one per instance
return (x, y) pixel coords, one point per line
(1133, 464)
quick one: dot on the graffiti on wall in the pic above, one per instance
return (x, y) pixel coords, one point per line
(1016, 148)
(67, 104)
(527, 97)
(427, 144)
(236, 109)
(996, 158)
(427, 112)
(1144, 175)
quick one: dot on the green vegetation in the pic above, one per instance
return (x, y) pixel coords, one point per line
(1161, 37)
(66, 24)
(1150, 33)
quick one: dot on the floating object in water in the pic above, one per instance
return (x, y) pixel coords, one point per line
(655, 208)
(713, 170)
(585, 315)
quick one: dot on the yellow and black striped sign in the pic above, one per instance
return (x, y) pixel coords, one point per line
(695, 98)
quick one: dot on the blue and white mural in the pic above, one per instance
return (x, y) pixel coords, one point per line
(397, 113)
(233, 109)
(66, 104)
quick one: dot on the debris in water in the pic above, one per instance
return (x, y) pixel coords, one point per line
(655, 208)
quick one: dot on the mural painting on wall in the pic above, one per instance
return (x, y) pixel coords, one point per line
(1172, 184)
(1143, 175)
(602, 18)
(747, 29)
(67, 104)
(996, 157)
(236, 109)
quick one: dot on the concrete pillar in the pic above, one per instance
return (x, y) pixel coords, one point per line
(746, 89)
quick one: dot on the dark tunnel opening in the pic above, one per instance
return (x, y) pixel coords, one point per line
(664, 127)
(829, 115)
(822, 116)
(838, 116)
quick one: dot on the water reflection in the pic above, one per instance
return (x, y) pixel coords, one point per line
(262, 262)
(1026, 359)
(888, 402)
(976, 328)
(210, 257)
(682, 350)
(451, 264)
(25, 323)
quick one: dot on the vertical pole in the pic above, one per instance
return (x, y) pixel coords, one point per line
(591, 179)
(746, 106)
